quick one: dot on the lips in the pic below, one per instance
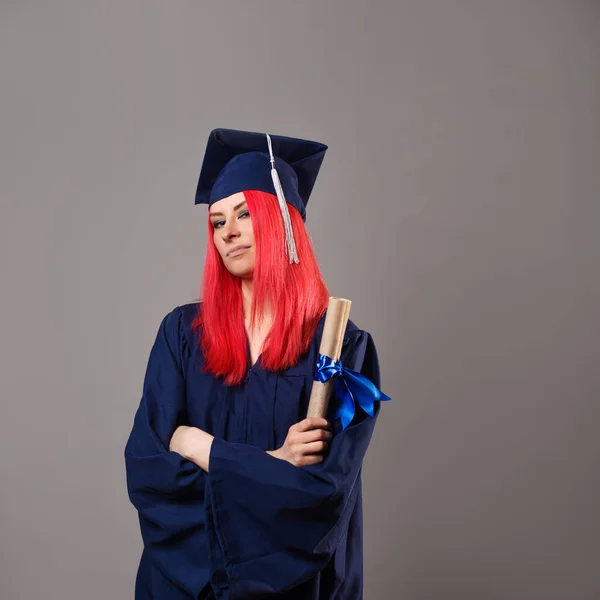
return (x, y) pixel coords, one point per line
(237, 251)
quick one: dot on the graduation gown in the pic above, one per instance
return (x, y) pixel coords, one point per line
(254, 526)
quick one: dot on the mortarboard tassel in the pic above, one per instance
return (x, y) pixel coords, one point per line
(285, 213)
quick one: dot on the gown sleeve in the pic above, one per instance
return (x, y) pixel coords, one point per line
(272, 525)
(166, 489)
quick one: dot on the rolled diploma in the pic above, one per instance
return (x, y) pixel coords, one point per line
(338, 312)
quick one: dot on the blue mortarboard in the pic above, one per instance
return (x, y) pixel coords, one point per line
(242, 160)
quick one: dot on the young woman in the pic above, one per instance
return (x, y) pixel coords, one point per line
(239, 495)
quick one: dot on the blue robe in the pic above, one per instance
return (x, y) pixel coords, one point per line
(255, 526)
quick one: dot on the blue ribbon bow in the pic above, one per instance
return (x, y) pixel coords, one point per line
(351, 387)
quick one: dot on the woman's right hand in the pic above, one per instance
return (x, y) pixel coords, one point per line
(305, 442)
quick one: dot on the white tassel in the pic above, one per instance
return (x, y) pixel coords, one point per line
(285, 213)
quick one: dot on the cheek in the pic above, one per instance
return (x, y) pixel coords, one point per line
(218, 241)
(248, 231)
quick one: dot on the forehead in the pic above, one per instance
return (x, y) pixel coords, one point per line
(227, 204)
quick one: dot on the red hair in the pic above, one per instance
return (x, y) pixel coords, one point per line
(296, 293)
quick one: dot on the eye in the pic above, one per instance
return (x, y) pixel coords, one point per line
(218, 224)
(244, 213)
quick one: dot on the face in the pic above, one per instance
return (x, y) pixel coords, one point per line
(233, 234)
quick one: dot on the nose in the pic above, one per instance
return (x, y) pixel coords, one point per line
(230, 230)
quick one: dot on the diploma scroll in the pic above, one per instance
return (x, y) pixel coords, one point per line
(338, 312)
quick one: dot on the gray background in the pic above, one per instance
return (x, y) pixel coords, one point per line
(457, 207)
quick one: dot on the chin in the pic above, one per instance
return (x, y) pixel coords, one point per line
(241, 271)
(242, 274)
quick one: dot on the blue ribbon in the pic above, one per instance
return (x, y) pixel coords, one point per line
(351, 387)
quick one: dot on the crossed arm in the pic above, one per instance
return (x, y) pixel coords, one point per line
(304, 444)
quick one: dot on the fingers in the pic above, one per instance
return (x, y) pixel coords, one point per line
(307, 441)
(311, 423)
(300, 439)
(314, 435)
(315, 447)
(313, 459)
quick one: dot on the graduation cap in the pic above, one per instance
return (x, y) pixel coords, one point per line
(287, 167)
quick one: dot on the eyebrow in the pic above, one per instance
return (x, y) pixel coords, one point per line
(220, 214)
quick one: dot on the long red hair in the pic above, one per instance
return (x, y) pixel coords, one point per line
(296, 293)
